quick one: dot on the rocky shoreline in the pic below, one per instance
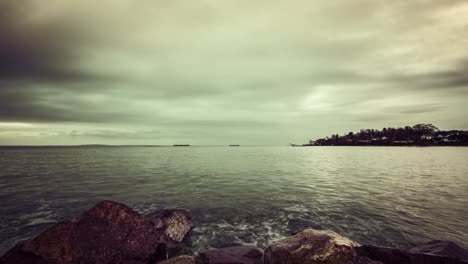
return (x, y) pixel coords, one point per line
(111, 232)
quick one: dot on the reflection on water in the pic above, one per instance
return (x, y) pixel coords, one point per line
(381, 195)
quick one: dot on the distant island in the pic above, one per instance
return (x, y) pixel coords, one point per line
(417, 135)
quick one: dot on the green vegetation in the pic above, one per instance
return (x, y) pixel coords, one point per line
(417, 135)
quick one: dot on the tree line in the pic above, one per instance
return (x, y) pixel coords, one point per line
(419, 134)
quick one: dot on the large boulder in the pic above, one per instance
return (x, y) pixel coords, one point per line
(311, 246)
(393, 255)
(172, 225)
(442, 248)
(110, 232)
(184, 259)
(231, 255)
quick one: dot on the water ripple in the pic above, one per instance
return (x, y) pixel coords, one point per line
(248, 195)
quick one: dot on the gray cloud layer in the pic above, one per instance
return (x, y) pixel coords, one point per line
(213, 72)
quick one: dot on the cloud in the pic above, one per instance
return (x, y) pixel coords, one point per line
(416, 109)
(115, 134)
(37, 49)
(449, 77)
(210, 68)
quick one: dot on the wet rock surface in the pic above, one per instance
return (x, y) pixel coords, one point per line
(311, 246)
(393, 255)
(442, 248)
(172, 225)
(183, 259)
(362, 260)
(110, 232)
(231, 255)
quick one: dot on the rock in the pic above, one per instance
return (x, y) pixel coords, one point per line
(231, 255)
(383, 254)
(171, 224)
(110, 232)
(442, 248)
(227, 244)
(393, 255)
(362, 260)
(184, 259)
(311, 246)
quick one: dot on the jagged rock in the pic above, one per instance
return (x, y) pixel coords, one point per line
(394, 255)
(442, 248)
(184, 259)
(110, 232)
(311, 246)
(172, 224)
(231, 255)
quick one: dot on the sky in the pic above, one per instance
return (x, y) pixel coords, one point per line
(227, 72)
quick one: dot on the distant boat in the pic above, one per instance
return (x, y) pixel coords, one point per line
(93, 145)
(234, 145)
(302, 145)
(181, 145)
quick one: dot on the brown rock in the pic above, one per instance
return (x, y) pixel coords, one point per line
(231, 255)
(184, 259)
(311, 246)
(109, 232)
(172, 224)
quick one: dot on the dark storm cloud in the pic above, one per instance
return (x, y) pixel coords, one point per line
(37, 50)
(17, 105)
(40, 79)
(28, 103)
(34, 56)
(207, 69)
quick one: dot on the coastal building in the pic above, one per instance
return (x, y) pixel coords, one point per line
(426, 137)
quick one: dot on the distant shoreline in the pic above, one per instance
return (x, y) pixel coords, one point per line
(419, 135)
(391, 145)
(132, 145)
(220, 146)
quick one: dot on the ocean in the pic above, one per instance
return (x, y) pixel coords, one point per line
(388, 196)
